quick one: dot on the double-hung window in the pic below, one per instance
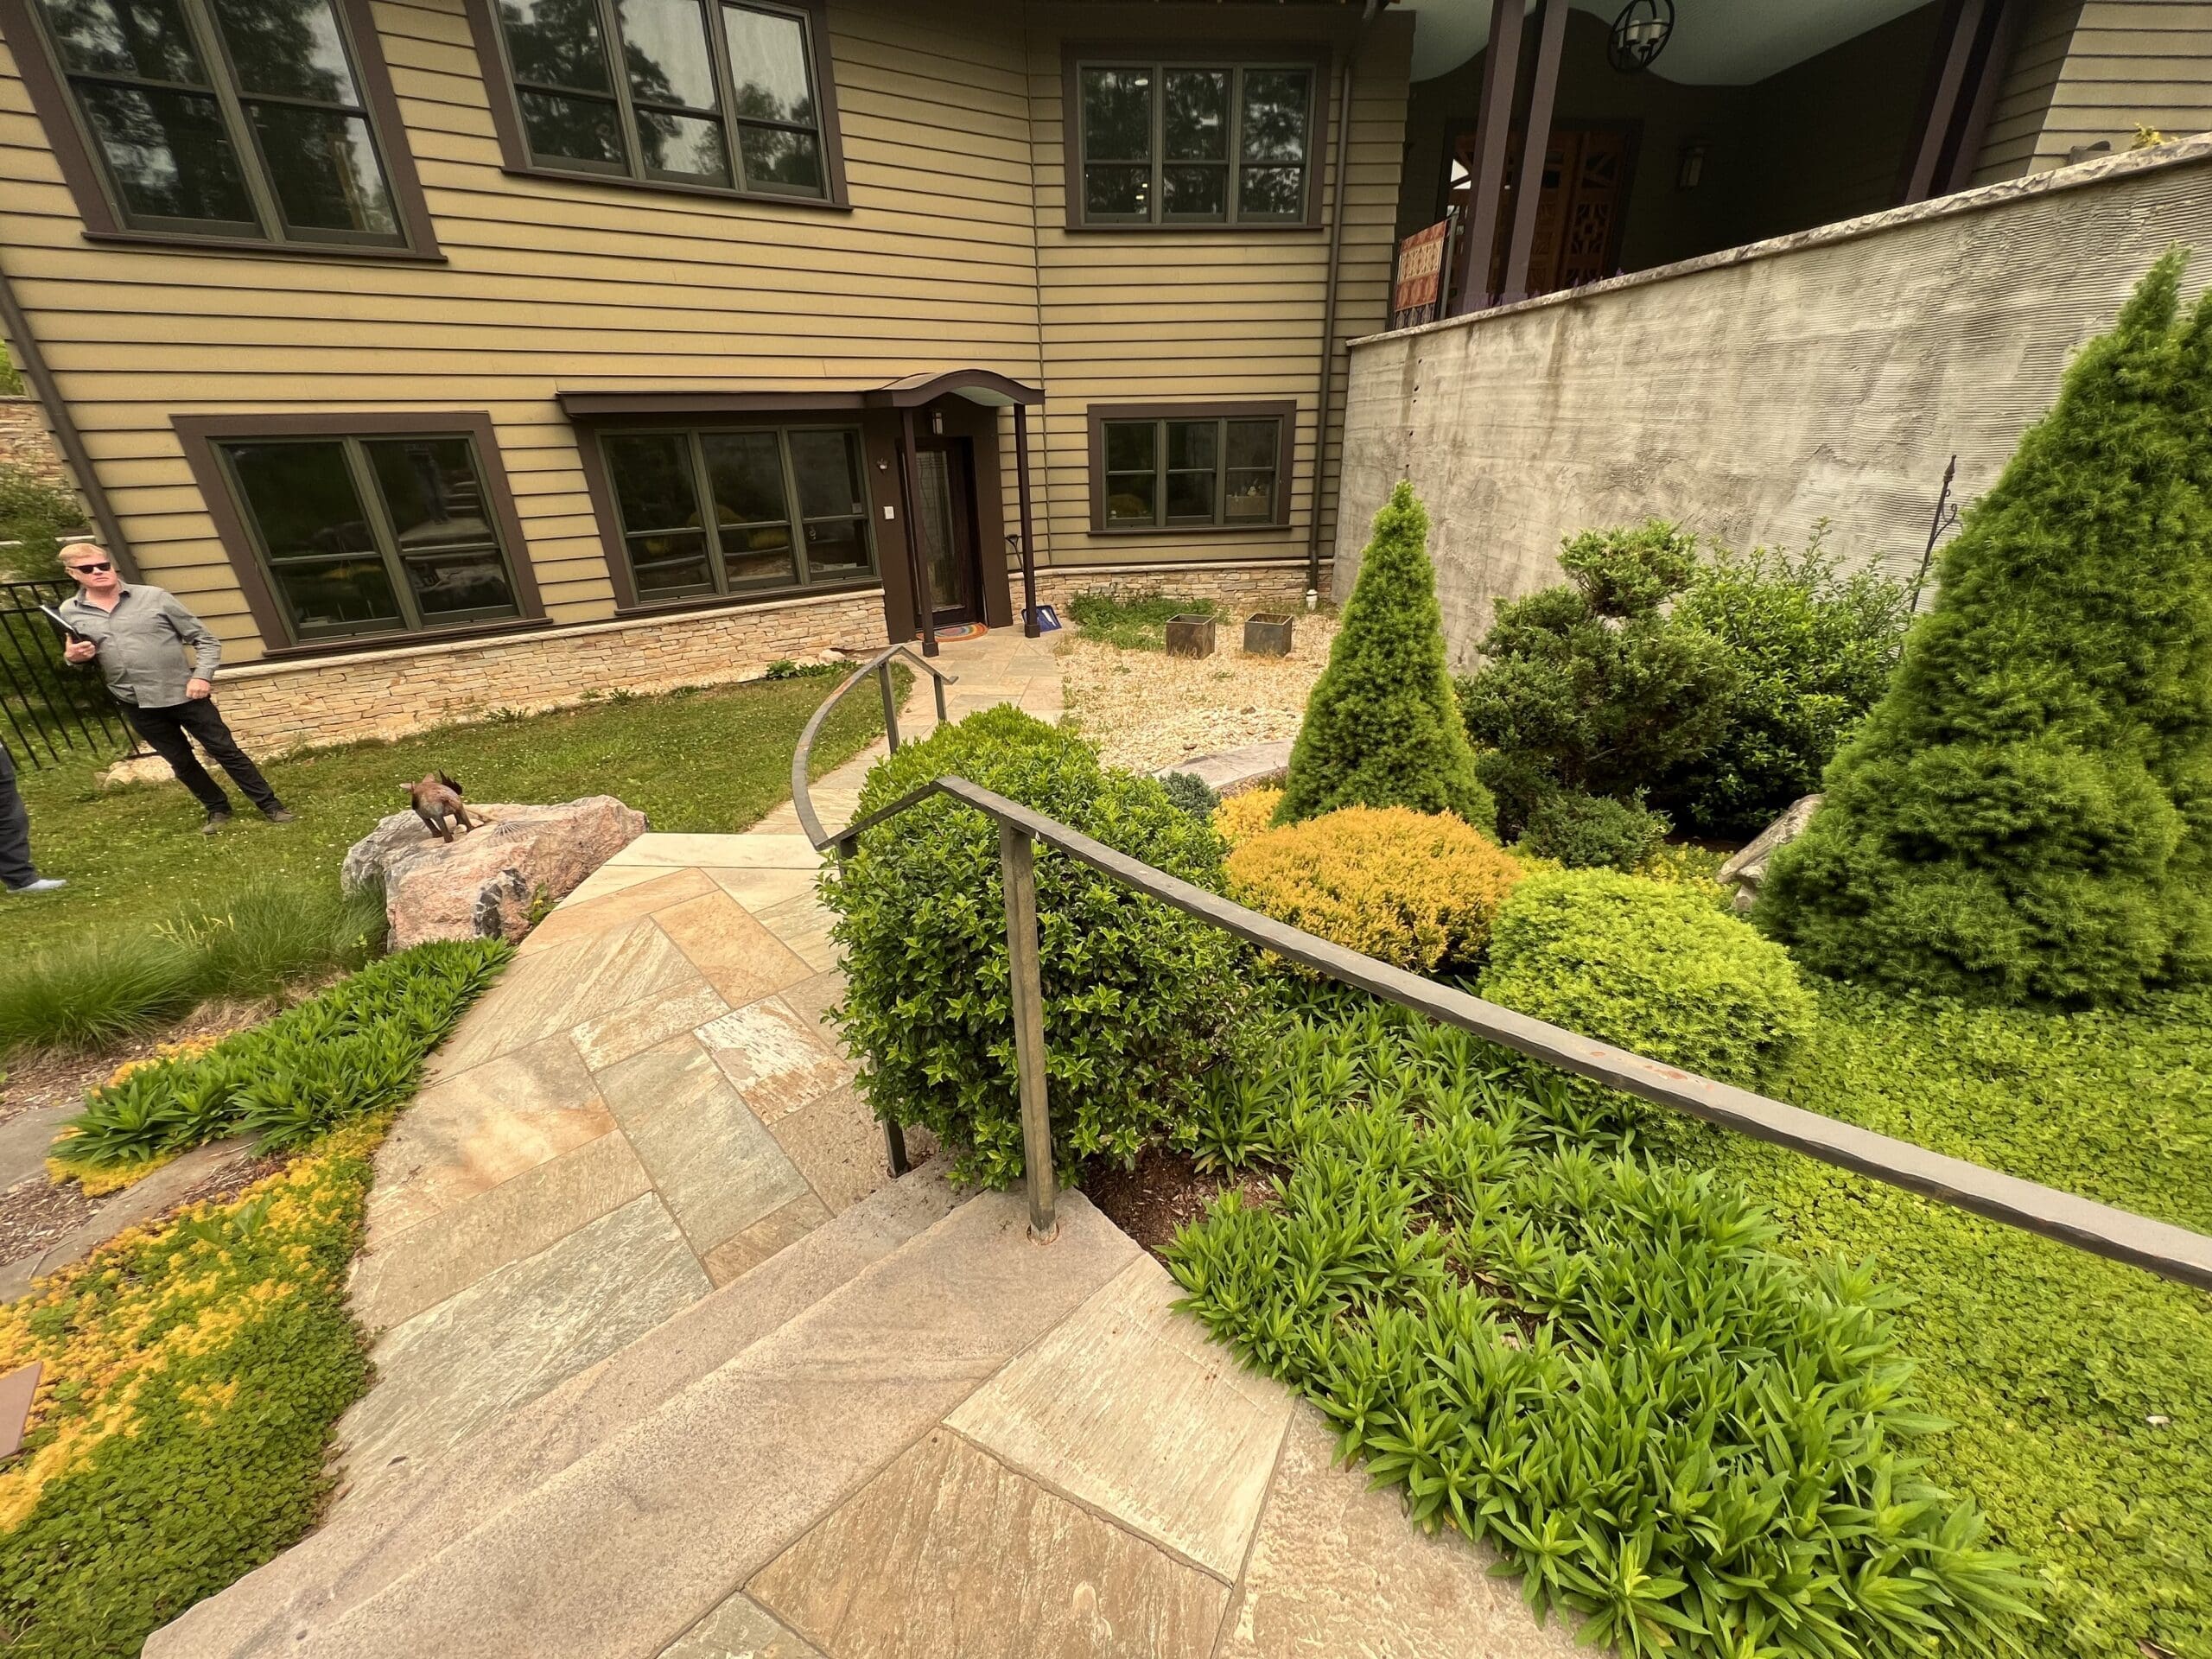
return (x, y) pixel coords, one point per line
(1189, 469)
(1175, 143)
(744, 511)
(372, 535)
(244, 120)
(713, 95)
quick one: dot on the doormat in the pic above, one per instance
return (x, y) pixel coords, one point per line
(961, 631)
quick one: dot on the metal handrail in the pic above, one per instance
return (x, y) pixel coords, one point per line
(2171, 1251)
(802, 757)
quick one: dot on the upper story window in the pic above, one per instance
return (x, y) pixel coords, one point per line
(749, 509)
(372, 535)
(1177, 143)
(711, 94)
(1195, 468)
(238, 120)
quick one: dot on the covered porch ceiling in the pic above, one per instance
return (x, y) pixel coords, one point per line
(1715, 43)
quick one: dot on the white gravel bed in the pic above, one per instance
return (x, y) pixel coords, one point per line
(1146, 710)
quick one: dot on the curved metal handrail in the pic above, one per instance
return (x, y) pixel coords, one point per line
(2171, 1251)
(803, 756)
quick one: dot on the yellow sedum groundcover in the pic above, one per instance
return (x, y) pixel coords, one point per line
(193, 1371)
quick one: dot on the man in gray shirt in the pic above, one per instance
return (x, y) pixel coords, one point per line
(139, 634)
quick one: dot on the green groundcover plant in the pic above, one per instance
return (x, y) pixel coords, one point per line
(1676, 1435)
(2028, 813)
(1133, 621)
(356, 1048)
(194, 1371)
(1382, 727)
(1136, 995)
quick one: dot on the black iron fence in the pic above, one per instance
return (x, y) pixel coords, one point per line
(49, 712)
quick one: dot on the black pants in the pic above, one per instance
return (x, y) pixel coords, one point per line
(165, 730)
(16, 868)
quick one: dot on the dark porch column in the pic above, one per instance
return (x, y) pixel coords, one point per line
(910, 473)
(1536, 142)
(1501, 68)
(1028, 547)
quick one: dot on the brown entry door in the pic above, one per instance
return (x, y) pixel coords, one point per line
(944, 513)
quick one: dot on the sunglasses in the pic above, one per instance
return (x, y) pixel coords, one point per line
(92, 570)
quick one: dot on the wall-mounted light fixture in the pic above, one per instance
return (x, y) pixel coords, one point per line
(1689, 165)
(936, 422)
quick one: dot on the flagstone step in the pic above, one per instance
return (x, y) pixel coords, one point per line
(414, 1512)
(620, 1553)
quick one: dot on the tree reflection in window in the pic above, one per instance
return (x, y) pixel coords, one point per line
(1172, 144)
(748, 118)
(227, 117)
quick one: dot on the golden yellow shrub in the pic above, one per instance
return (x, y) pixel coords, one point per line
(1240, 818)
(1414, 889)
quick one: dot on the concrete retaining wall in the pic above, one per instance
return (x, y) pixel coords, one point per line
(1751, 393)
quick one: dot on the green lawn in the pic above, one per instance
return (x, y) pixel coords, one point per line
(705, 760)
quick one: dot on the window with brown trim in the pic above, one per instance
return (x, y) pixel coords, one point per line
(248, 122)
(751, 510)
(348, 528)
(731, 97)
(1190, 467)
(1167, 142)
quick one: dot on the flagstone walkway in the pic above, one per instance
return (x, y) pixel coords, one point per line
(671, 1368)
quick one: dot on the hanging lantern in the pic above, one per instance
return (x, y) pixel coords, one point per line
(1640, 34)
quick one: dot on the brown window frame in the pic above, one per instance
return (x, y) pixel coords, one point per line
(517, 161)
(824, 414)
(1078, 55)
(202, 437)
(1284, 413)
(83, 171)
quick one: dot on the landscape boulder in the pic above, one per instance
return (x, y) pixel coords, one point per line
(1748, 868)
(488, 883)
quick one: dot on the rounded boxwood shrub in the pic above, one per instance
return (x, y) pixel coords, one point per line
(1136, 995)
(1649, 966)
(1414, 889)
(1588, 832)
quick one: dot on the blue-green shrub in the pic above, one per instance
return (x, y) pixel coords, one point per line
(1588, 832)
(1136, 995)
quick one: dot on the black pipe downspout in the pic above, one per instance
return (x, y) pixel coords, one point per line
(66, 438)
(1329, 306)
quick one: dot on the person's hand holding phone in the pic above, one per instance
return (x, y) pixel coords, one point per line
(80, 651)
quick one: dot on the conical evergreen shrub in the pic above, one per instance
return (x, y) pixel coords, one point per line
(1382, 727)
(2025, 815)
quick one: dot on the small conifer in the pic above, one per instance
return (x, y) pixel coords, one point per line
(1382, 727)
(2025, 815)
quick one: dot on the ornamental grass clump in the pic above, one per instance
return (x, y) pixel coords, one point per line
(1382, 727)
(1417, 890)
(1651, 967)
(1679, 1439)
(2027, 816)
(357, 1048)
(1137, 996)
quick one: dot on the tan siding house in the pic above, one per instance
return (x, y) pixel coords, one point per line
(2090, 73)
(405, 466)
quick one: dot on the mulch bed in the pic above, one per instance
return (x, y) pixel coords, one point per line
(35, 1212)
(1162, 1193)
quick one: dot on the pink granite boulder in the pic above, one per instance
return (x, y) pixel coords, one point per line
(490, 882)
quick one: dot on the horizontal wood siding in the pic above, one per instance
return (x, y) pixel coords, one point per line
(2090, 71)
(1229, 316)
(953, 254)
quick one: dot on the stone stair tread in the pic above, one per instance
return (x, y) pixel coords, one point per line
(620, 1552)
(413, 1513)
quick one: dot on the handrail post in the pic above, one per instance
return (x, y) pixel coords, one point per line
(937, 682)
(891, 703)
(895, 1141)
(1018, 868)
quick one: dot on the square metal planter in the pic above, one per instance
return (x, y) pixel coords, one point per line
(1190, 636)
(1268, 634)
